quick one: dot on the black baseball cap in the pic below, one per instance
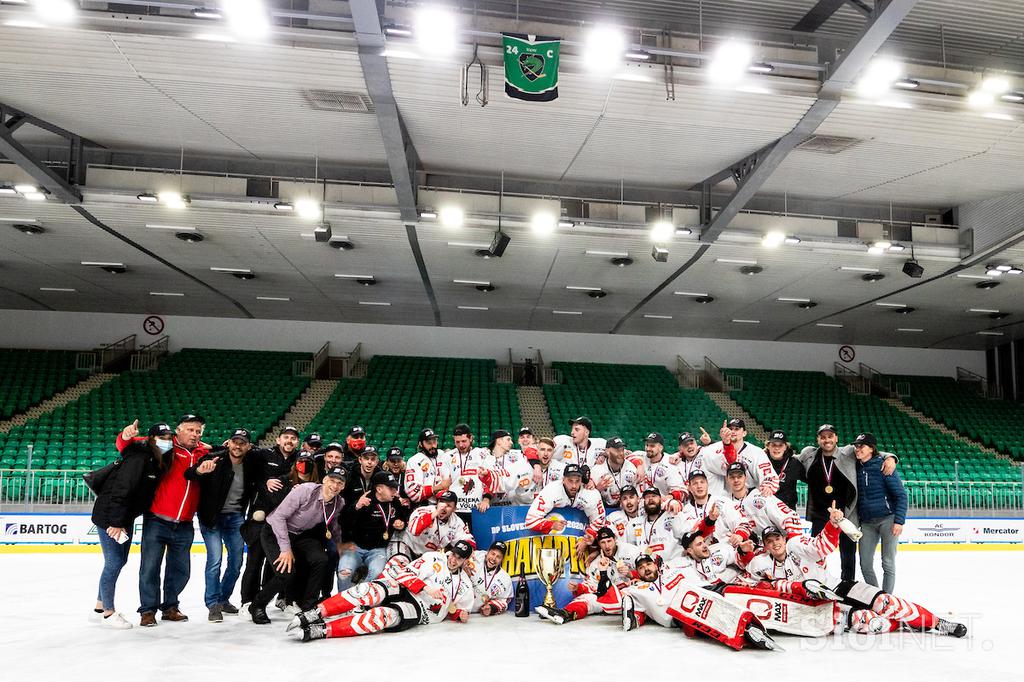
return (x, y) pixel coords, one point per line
(866, 439)
(335, 446)
(448, 496)
(584, 422)
(772, 530)
(189, 417)
(427, 434)
(305, 457)
(370, 450)
(627, 490)
(737, 423)
(651, 490)
(395, 452)
(686, 436)
(384, 478)
(314, 439)
(524, 430)
(290, 429)
(643, 558)
(242, 435)
(161, 429)
(462, 549)
(695, 473)
(605, 532)
(778, 437)
(688, 538)
(356, 431)
(827, 427)
(500, 433)
(614, 442)
(654, 438)
(735, 467)
(571, 470)
(336, 472)
(499, 545)
(462, 430)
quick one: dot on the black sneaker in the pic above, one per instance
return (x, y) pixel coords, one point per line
(259, 615)
(948, 627)
(229, 609)
(216, 614)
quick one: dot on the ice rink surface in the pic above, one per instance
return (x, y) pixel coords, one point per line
(46, 632)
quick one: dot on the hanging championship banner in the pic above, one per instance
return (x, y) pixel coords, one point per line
(531, 67)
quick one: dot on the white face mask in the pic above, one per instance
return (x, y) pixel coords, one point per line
(164, 445)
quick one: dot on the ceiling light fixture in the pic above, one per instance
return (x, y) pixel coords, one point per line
(850, 268)
(792, 240)
(207, 13)
(622, 261)
(683, 231)
(659, 254)
(773, 239)
(308, 209)
(979, 99)
(340, 275)
(452, 216)
(830, 325)
(906, 84)
(284, 206)
(60, 289)
(396, 30)
(26, 189)
(166, 293)
(908, 329)
(566, 312)
(884, 304)
(543, 223)
(689, 293)
(878, 77)
(147, 198)
(614, 254)
(56, 11)
(247, 18)
(637, 55)
(736, 261)
(658, 317)
(576, 288)
(468, 281)
(996, 84)
(382, 303)
(436, 32)
(172, 199)
(730, 62)
(990, 333)
(793, 300)
(175, 228)
(427, 214)
(873, 277)
(1012, 97)
(566, 224)
(662, 231)
(604, 49)
(981, 310)
(472, 307)
(761, 68)
(747, 321)
(272, 298)
(29, 228)
(897, 248)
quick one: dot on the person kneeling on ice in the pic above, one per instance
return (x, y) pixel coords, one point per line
(797, 566)
(407, 593)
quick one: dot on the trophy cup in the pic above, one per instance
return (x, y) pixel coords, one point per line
(548, 564)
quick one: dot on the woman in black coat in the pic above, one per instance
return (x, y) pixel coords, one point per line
(125, 494)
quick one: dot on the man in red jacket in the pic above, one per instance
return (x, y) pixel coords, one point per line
(167, 526)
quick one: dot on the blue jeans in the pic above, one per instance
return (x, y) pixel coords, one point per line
(373, 559)
(115, 556)
(160, 536)
(224, 533)
(875, 530)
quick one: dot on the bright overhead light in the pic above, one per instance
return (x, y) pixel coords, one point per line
(566, 312)
(1012, 97)
(308, 209)
(374, 303)
(284, 206)
(883, 304)
(247, 18)
(102, 264)
(996, 85)
(730, 62)
(662, 231)
(435, 31)
(747, 321)
(992, 272)
(471, 281)
(26, 189)
(793, 300)
(147, 198)
(566, 224)
(878, 77)
(63, 289)
(394, 30)
(906, 84)
(876, 250)
(1004, 268)
(207, 13)
(428, 215)
(472, 307)
(760, 67)
(610, 254)
(690, 293)
(452, 216)
(829, 325)
(573, 288)
(1015, 270)
(990, 333)
(233, 270)
(638, 55)
(981, 310)
(272, 298)
(658, 317)
(604, 49)
(683, 231)
(773, 239)
(172, 199)
(897, 248)
(165, 293)
(35, 196)
(469, 245)
(176, 228)
(736, 261)
(985, 277)
(851, 268)
(908, 329)
(979, 99)
(793, 240)
(56, 11)
(8, 191)
(344, 276)
(543, 223)
(882, 244)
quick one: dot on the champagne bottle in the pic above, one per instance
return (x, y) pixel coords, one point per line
(522, 598)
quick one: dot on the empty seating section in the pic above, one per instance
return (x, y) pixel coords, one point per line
(28, 377)
(999, 424)
(229, 388)
(798, 402)
(401, 395)
(630, 401)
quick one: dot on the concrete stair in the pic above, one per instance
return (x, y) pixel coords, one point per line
(939, 426)
(734, 411)
(302, 411)
(66, 396)
(534, 412)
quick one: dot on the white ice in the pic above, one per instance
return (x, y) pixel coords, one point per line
(46, 632)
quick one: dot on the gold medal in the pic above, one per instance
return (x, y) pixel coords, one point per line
(452, 609)
(385, 535)
(328, 534)
(828, 490)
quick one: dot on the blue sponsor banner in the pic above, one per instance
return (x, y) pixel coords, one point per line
(508, 524)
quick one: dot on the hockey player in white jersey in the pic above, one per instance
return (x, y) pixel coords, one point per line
(709, 565)
(569, 492)
(662, 474)
(687, 457)
(426, 475)
(716, 517)
(578, 447)
(716, 457)
(434, 527)
(614, 558)
(511, 475)
(764, 511)
(797, 566)
(651, 531)
(615, 473)
(492, 586)
(465, 465)
(620, 520)
(407, 593)
(545, 468)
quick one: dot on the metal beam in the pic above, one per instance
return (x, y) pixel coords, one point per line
(881, 25)
(401, 154)
(41, 173)
(818, 15)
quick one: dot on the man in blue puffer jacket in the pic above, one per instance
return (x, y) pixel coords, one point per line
(882, 508)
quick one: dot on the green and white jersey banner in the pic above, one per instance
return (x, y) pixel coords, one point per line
(531, 67)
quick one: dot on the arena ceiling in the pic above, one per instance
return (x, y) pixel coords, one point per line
(157, 90)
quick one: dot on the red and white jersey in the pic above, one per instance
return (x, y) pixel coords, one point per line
(664, 476)
(422, 476)
(465, 470)
(731, 519)
(624, 558)
(570, 453)
(770, 511)
(654, 598)
(655, 536)
(626, 475)
(496, 585)
(554, 496)
(552, 473)
(619, 522)
(685, 465)
(760, 473)
(512, 478)
(462, 595)
(429, 570)
(719, 567)
(426, 533)
(805, 559)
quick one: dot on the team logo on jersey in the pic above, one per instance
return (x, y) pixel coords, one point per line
(716, 559)
(759, 503)
(620, 528)
(436, 567)
(467, 485)
(425, 467)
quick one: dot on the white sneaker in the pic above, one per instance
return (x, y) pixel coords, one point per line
(116, 621)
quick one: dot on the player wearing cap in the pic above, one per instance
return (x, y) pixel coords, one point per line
(526, 439)
(465, 463)
(832, 478)
(276, 462)
(312, 443)
(578, 447)
(568, 492)
(687, 457)
(355, 442)
(492, 586)
(797, 566)
(786, 465)
(659, 472)
(715, 517)
(614, 558)
(708, 565)
(762, 510)
(732, 448)
(651, 531)
(394, 462)
(366, 528)
(615, 473)
(433, 527)
(426, 474)
(359, 483)
(510, 477)
(407, 593)
(620, 520)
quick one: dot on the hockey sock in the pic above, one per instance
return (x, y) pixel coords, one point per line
(377, 619)
(641, 618)
(868, 622)
(363, 594)
(577, 610)
(914, 615)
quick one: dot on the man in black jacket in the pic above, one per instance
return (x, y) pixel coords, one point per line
(366, 527)
(359, 478)
(355, 442)
(786, 465)
(228, 481)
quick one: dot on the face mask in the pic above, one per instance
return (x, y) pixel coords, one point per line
(302, 467)
(358, 444)
(164, 445)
